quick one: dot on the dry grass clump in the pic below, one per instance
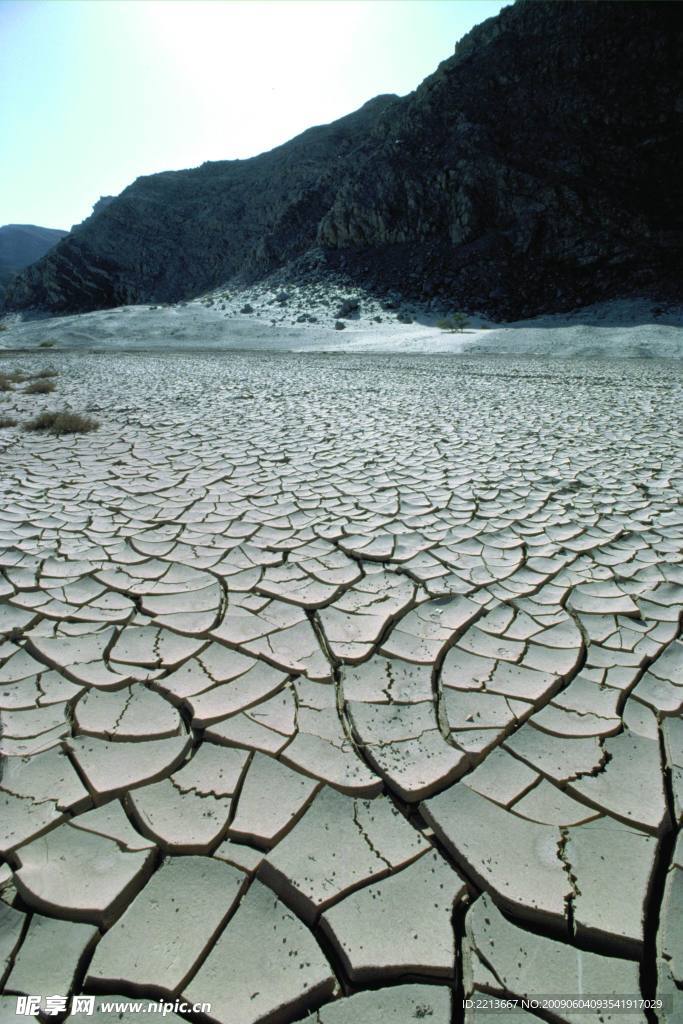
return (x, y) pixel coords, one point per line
(7, 380)
(7, 421)
(39, 387)
(63, 423)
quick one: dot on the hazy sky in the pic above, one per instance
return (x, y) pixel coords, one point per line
(94, 93)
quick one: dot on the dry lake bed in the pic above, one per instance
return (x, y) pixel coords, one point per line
(343, 689)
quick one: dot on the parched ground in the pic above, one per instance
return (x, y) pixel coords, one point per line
(343, 689)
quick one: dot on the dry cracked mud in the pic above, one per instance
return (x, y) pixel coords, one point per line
(339, 689)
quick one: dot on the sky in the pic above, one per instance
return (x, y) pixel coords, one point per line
(95, 93)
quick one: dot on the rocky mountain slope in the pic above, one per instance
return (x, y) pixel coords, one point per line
(21, 245)
(537, 168)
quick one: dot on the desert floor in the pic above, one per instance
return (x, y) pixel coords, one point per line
(338, 687)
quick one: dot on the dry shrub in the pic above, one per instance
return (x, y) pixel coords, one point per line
(43, 374)
(8, 379)
(39, 387)
(63, 423)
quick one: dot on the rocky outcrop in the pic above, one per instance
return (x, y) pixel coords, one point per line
(21, 245)
(537, 168)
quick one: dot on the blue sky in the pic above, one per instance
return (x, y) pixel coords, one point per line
(94, 93)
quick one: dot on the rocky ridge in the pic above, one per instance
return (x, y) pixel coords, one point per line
(21, 245)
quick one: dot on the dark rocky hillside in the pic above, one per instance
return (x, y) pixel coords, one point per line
(537, 168)
(21, 245)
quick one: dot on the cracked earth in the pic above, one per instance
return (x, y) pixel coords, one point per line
(342, 690)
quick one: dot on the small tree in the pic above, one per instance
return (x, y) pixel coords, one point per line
(454, 322)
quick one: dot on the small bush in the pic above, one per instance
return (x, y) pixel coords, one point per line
(247, 308)
(3, 327)
(339, 326)
(454, 322)
(404, 318)
(47, 344)
(7, 421)
(43, 374)
(63, 423)
(39, 387)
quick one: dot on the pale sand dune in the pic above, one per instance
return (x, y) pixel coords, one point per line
(627, 328)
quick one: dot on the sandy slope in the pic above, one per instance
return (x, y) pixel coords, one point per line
(629, 328)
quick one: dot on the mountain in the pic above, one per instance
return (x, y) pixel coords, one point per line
(21, 245)
(538, 168)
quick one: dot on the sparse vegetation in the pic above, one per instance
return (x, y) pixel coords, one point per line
(63, 423)
(39, 387)
(7, 421)
(3, 327)
(7, 380)
(41, 383)
(47, 344)
(453, 322)
(404, 317)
